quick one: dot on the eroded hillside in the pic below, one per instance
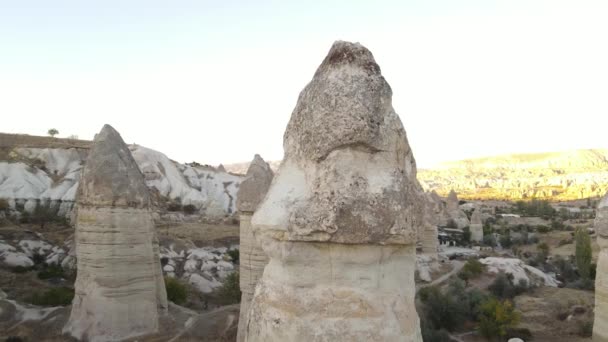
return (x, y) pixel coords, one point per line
(565, 175)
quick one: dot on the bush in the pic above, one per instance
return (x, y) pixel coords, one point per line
(14, 339)
(176, 291)
(496, 318)
(583, 253)
(235, 255)
(189, 209)
(433, 335)
(489, 240)
(53, 297)
(471, 270)
(4, 206)
(585, 329)
(230, 292)
(505, 241)
(543, 229)
(504, 288)
(543, 249)
(52, 271)
(21, 269)
(441, 310)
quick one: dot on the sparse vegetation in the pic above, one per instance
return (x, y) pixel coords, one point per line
(471, 270)
(53, 297)
(52, 132)
(504, 288)
(235, 255)
(583, 254)
(541, 208)
(51, 271)
(496, 317)
(230, 292)
(189, 209)
(176, 291)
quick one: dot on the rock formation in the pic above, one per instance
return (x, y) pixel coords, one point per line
(556, 176)
(454, 213)
(120, 292)
(600, 327)
(476, 226)
(337, 222)
(430, 243)
(252, 257)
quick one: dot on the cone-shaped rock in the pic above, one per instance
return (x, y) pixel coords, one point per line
(458, 216)
(600, 326)
(120, 291)
(252, 257)
(337, 222)
(476, 226)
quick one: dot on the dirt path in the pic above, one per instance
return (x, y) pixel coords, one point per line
(457, 266)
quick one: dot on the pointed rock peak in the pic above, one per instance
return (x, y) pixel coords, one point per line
(111, 176)
(349, 54)
(476, 216)
(255, 186)
(348, 104)
(221, 168)
(258, 164)
(453, 195)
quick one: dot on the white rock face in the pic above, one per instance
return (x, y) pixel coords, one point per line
(213, 192)
(476, 226)
(252, 257)
(520, 271)
(119, 290)
(454, 211)
(600, 326)
(53, 179)
(337, 222)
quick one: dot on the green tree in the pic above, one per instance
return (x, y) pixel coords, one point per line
(52, 132)
(543, 249)
(176, 291)
(583, 253)
(496, 317)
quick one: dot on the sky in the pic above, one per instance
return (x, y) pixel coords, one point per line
(216, 81)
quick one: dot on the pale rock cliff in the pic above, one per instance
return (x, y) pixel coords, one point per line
(338, 222)
(119, 289)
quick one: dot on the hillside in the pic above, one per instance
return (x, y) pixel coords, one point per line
(34, 169)
(567, 175)
(557, 176)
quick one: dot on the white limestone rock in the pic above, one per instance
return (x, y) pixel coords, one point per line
(476, 226)
(119, 290)
(252, 257)
(338, 222)
(600, 326)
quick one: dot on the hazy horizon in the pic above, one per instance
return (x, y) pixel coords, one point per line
(216, 84)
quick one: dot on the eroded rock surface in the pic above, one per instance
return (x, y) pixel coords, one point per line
(252, 257)
(454, 212)
(119, 290)
(338, 222)
(476, 226)
(600, 327)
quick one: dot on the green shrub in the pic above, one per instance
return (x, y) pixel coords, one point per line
(52, 271)
(505, 241)
(21, 269)
(583, 253)
(504, 288)
(176, 291)
(543, 229)
(441, 310)
(585, 328)
(496, 318)
(471, 270)
(434, 335)
(230, 292)
(489, 240)
(235, 255)
(53, 297)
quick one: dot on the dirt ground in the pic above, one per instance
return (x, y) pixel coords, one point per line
(201, 234)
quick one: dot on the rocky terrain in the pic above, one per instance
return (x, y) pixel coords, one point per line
(46, 171)
(556, 176)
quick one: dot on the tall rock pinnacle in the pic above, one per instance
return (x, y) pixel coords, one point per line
(338, 222)
(120, 291)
